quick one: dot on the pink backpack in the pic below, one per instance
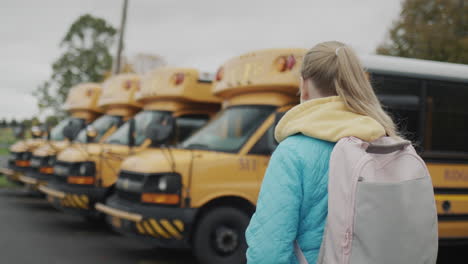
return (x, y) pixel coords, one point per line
(381, 207)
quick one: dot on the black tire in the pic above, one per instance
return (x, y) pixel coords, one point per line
(99, 218)
(219, 236)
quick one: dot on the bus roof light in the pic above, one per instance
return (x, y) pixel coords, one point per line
(285, 63)
(220, 74)
(128, 85)
(290, 62)
(89, 92)
(281, 63)
(178, 78)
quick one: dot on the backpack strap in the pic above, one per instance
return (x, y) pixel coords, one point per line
(376, 148)
(299, 254)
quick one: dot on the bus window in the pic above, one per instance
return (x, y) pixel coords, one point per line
(249, 116)
(101, 125)
(266, 144)
(400, 97)
(142, 120)
(188, 124)
(57, 132)
(447, 111)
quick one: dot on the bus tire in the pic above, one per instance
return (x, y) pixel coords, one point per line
(219, 236)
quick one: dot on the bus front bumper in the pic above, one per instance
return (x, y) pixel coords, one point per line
(35, 179)
(11, 174)
(165, 227)
(77, 200)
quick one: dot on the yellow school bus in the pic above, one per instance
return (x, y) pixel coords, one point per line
(202, 193)
(176, 102)
(81, 103)
(118, 103)
(429, 102)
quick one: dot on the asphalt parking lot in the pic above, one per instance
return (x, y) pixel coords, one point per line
(34, 232)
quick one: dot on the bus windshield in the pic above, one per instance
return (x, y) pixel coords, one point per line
(230, 129)
(56, 133)
(101, 125)
(142, 120)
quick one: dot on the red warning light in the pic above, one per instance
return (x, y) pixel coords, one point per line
(220, 74)
(178, 78)
(128, 85)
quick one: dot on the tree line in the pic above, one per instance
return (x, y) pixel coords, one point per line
(28, 123)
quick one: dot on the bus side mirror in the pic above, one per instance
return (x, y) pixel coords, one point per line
(18, 132)
(131, 133)
(91, 133)
(161, 132)
(36, 132)
(47, 129)
(70, 131)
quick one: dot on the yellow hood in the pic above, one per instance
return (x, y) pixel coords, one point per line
(327, 119)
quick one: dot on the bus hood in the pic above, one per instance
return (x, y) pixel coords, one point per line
(79, 152)
(27, 145)
(158, 161)
(50, 148)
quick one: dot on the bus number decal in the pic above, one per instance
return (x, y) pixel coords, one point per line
(247, 164)
(456, 175)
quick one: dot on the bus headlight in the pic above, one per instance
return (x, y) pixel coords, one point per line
(162, 189)
(162, 185)
(23, 159)
(83, 173)
(23, 155)
(86, 169)
(165, 183)
(83, 169)
(51, 161)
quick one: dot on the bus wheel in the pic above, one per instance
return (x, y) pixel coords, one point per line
(220, 236)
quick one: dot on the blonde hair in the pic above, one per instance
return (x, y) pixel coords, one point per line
(335, 69)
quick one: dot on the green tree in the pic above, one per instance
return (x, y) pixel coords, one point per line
(51, 121)
(86, 58)
(35, 121)
(430, 29)
(26, 123)
(13, 122)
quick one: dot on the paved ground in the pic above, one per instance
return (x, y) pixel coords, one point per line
(3, 160)
(31, 231)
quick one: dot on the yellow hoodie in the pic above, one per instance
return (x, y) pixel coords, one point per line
(327, 119)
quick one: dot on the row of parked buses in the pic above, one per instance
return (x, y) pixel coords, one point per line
(177, 159)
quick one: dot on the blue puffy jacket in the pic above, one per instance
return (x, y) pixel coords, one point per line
(293, 200)
(292, 204)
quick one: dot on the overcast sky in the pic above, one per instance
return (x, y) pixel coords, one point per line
(201, 34)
